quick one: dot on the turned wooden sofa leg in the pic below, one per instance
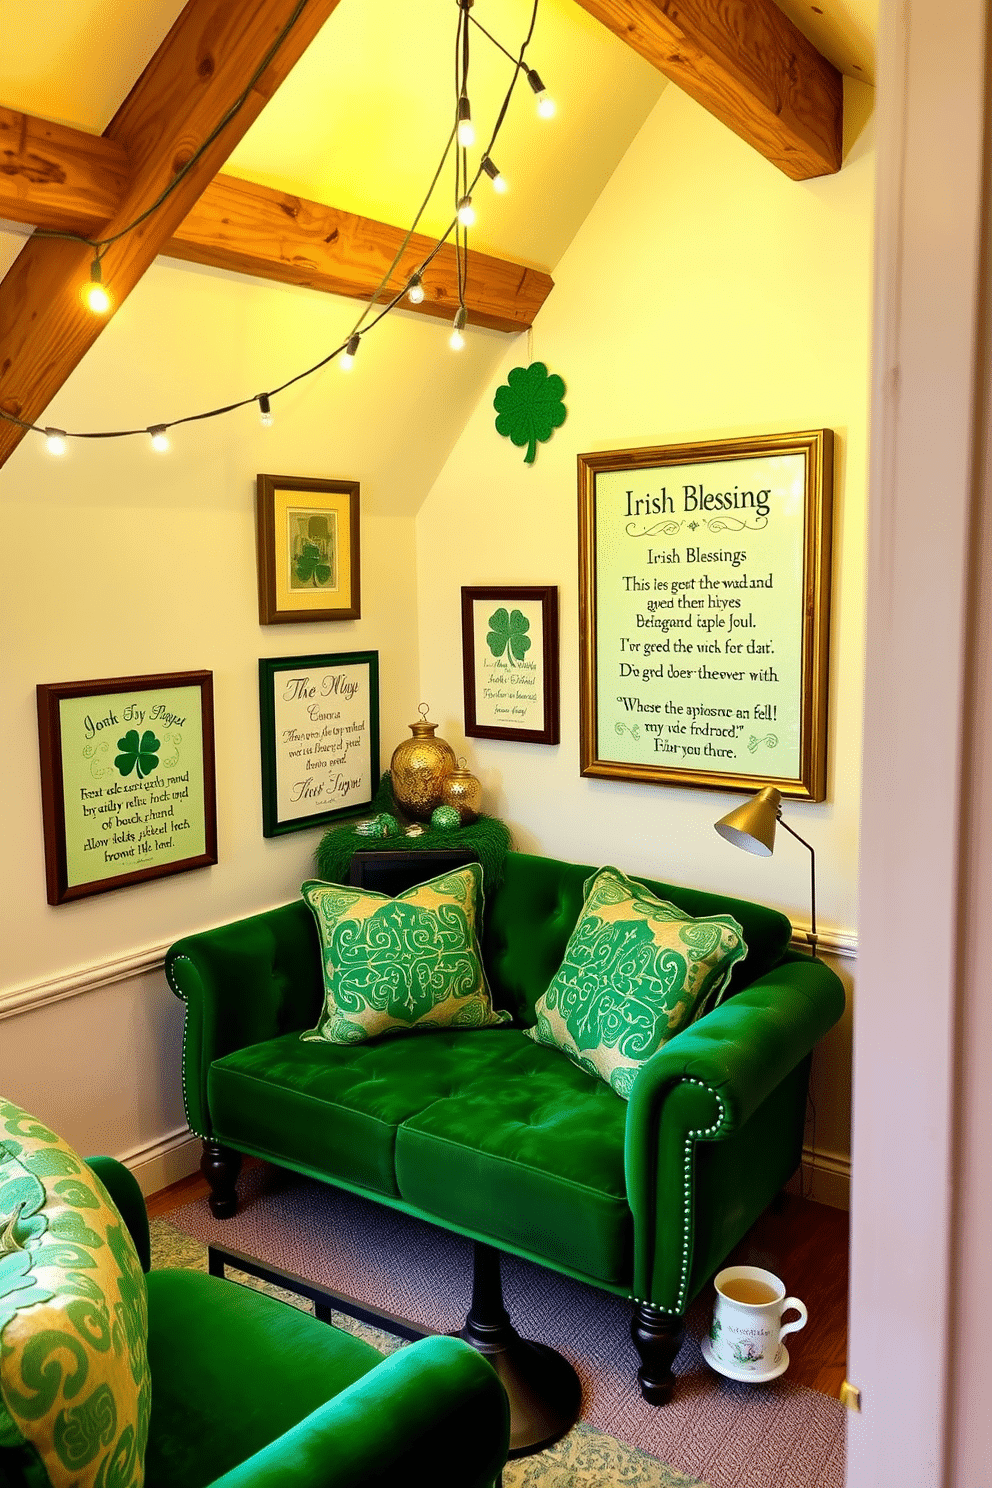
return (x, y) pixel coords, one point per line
(657, 1337)
(220, 1166)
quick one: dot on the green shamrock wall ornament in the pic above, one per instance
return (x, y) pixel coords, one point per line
(529, 407)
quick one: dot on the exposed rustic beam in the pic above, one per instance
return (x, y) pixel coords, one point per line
(748, 64)
(186, 90)
(56, 177)
(64, 180)
(254, 230)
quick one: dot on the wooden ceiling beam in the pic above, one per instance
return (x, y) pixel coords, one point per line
(749, 65)
(274, 235)
(184, 93)
(65, 181)
(56, 177)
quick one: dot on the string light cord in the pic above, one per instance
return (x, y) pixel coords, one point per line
(454, 226)
(100, 245)
(518, 63)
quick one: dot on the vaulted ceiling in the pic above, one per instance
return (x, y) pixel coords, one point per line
(322, 172)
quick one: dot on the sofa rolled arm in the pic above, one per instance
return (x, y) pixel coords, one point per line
(242, 983)
(705, 1086)
(433, 1415)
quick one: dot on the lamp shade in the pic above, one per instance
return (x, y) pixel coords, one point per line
(752, 826)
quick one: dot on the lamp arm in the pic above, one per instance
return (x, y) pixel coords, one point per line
(812, 880)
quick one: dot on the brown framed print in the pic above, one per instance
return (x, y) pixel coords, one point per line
(704, 578)
(309, 559)
(510, 663)
(127, 780)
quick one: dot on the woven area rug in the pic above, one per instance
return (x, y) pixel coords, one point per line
(716, 1432)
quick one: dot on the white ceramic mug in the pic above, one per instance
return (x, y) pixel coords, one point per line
(745, 1339)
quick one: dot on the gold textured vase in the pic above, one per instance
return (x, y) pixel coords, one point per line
(419, 767)
(464, 792)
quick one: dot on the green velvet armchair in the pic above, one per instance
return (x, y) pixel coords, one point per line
(214, 1383)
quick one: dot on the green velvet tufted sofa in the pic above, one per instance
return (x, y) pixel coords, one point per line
(499, 1138)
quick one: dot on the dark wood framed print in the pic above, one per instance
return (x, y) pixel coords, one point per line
(309, 560)
(704, 576)
(319, 719)
(510, 663)
(127, 780)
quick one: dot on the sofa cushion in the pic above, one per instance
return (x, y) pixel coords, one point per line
(223, 1354)
(75, 1390)
(636, 971)
(406, 963)
(492, 1134)
(530, 919)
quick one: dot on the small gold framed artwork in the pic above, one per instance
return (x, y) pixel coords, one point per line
(309, 564)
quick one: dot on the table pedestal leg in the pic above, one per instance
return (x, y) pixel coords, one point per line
(542, 1387)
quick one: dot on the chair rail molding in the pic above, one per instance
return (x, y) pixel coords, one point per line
(81, 979)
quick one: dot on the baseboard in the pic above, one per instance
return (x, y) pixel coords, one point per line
(824, 1177)
(158, 1164)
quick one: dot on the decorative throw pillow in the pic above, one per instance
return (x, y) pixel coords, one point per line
(75, 1391)
(403, 963)
(636, 971)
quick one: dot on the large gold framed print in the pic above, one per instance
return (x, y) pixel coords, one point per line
(704, 577)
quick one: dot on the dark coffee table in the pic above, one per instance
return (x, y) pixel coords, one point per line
(542, 1387)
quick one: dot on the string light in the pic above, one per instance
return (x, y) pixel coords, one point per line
(545, 103)
(466, 129)
(99, 300)
(499, 182)
(456, 341)
(95, 295)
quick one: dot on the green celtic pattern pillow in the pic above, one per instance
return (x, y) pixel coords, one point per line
(75, 1391)
(636, 971)
(406, 963)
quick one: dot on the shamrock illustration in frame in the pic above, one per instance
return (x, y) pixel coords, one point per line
(127, 780)
(309, 565)
(510, 663)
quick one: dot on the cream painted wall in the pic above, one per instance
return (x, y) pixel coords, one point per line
(705, 296)
(117, 561)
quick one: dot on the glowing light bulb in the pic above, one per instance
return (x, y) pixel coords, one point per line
(160, 439)
(415, 290)
(55, 441)
(97, 299)
(456, 340)
(94, 293)
(466, 129)
(545, 103)
(466, 212)
(499, 182)
(348, 355)
(265, 410)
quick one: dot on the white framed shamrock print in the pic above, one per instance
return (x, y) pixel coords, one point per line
(510, 663)
(127, 780)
